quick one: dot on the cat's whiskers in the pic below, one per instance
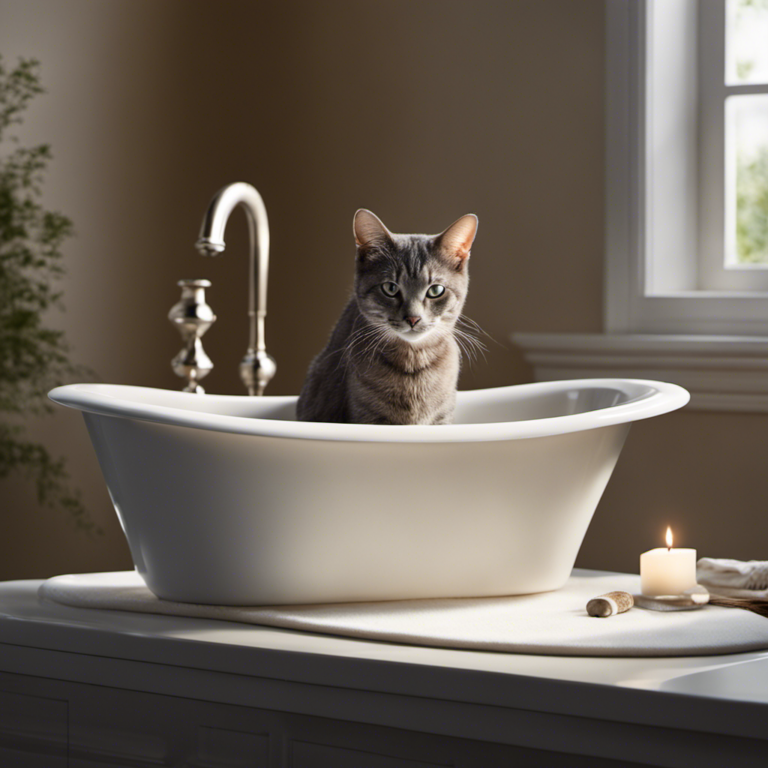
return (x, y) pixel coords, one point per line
(463, 348)
(364, 334)
(472, 340)
(377, 344)
(364, 340)
(474, 326)
(470, 345)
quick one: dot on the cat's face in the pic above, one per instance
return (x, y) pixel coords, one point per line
(412, 286)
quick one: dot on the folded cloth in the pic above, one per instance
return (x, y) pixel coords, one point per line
(734, 578)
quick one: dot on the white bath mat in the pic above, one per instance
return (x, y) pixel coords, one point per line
(553, 623)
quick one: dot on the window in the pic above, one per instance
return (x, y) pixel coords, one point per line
(686, 246)
(687, 170)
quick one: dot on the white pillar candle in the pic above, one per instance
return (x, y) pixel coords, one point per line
(667, 571)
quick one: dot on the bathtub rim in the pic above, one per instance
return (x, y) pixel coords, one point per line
(660, 398)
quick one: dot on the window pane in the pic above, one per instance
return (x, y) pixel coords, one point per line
(747, 179)
(746, 45)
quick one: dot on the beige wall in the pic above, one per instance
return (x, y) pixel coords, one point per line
(421, 111)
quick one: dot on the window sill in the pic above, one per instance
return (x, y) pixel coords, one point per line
(722, 373)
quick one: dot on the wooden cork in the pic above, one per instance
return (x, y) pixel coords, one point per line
(610, 604)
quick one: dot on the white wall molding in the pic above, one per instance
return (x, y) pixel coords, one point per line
(722, 373)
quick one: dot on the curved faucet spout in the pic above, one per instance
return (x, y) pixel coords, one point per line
(257, 367)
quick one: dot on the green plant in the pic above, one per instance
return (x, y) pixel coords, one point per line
(33, 356)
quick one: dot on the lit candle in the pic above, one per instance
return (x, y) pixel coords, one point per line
(667, 571)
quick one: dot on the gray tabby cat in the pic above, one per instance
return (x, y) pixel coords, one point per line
(393, 357)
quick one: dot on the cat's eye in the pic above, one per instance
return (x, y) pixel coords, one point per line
(390, 289)
(435, 291)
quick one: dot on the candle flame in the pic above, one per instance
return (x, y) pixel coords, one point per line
(669, 538)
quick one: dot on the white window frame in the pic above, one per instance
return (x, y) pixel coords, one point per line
(658, 321)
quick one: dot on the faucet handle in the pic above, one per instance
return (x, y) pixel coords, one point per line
(192, 317)
(256, 370)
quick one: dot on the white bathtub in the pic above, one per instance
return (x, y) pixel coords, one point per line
(229, 500)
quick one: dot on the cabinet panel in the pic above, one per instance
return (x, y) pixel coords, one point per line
(222, 748)
(108, 727)
(33, 731)
(306, 755)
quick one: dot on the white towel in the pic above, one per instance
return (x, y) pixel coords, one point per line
(734, 578)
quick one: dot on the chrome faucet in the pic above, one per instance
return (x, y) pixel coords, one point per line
(257, 367)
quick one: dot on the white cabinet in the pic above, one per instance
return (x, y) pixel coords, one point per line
(100, 689)
(72, 725)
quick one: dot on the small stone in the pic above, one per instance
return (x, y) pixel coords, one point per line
(610, 604)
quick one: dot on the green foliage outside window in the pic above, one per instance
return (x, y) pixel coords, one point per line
(33, 357)
(752, 208)
(744, 67)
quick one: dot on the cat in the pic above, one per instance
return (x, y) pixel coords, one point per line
(393, 357)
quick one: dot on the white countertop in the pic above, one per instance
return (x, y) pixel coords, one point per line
(725, 694)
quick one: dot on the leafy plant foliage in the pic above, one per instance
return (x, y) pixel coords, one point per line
(33, 357)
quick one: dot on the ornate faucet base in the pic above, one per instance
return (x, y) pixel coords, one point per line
(256, 371)
(193, 317)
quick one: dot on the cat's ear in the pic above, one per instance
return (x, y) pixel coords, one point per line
(456, 241)
(369, 229)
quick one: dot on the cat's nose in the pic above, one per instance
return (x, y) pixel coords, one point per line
(412, 321)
